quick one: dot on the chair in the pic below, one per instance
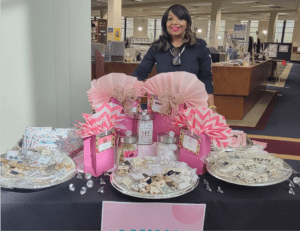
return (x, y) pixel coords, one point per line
(99, 64)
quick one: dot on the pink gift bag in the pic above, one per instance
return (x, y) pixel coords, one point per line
(161, 123)
(130, 123)
(99, 154)
(192, 148)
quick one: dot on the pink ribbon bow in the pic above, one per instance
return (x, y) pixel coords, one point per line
(127, 99)
(169, 102)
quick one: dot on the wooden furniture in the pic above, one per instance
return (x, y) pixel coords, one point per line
(237, 88)
(126, 68)
(99, 59)
(99, 30)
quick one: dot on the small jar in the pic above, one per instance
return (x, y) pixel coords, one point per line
(167, 145)
(145, 127)
(127, 147)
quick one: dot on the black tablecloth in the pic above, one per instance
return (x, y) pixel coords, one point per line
(239, 208)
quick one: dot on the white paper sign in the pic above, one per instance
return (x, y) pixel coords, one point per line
(190, 143)
(156, 105)
(104, 146)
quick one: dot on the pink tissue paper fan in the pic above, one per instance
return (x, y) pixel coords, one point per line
(104, 88)
(180, 84)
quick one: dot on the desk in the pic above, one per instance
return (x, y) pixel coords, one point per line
(239, 208)
(237, 88)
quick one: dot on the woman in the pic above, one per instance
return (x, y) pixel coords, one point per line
(178, 49)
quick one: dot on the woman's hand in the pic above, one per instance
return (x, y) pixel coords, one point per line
(211, 103)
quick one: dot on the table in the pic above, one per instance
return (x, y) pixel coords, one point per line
(238, 88)
(239, 208)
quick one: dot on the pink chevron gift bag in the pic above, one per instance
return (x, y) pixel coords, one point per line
(99, 154)
(192, 148)
(129, 123)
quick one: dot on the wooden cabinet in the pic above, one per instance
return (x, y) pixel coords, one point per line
(99, 31)
(237, 89)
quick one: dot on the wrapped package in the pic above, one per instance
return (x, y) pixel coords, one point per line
(168, 93)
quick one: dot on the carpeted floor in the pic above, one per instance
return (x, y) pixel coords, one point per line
(252, 118)
(281, 74)
(279, 145)
(285, 118)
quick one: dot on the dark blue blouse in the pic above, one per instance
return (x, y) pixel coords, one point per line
(194, 59)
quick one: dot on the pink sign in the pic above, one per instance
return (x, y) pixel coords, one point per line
(126, 216)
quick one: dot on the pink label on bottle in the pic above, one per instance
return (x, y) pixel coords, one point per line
(130, 154)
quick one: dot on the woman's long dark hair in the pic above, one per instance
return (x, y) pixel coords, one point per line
(162, 44)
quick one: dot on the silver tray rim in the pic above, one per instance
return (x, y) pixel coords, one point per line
(251, 185)
(62, 180)
(156, 196)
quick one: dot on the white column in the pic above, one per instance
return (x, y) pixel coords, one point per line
(114, 13)
(214, 24)
(45, 77)
(296, 34)
(272, 26)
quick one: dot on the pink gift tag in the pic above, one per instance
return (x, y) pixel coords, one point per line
(193, 148)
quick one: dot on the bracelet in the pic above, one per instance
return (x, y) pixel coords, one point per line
(212, 106)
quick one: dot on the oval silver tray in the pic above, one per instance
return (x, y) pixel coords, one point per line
(37, 186)
(132, 193)
(230, 149)
(286, 174)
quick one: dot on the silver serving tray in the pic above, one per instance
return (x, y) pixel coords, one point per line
(132, 193)
(37, 186)
(230, 149)
(286, 174)
(176, 193)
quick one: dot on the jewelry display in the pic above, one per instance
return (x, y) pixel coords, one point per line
(153, 178)
(249, 168)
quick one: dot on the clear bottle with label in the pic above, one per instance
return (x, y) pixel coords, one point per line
(167, 145)
(127, 147)
(145, 127)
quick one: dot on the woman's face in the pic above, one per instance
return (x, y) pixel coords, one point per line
(175, 26)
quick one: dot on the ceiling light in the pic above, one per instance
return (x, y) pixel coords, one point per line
(202, 4)
(199, 30)
(247, 2)
(140, 28)
(219, 37)
(263, 6)
(264, 32)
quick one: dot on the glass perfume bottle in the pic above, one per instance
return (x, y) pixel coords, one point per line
(145, 127)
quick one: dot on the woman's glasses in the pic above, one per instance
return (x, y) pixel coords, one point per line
(176, 56)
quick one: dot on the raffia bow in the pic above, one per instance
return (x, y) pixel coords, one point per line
(126, 99)
(171, 102)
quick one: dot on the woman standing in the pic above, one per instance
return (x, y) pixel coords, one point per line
(178, 49)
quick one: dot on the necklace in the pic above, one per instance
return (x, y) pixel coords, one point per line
(175, 52)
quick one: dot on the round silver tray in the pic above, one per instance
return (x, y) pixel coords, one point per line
(132, 193)
(231, 149)
(37, 186)
(286, 174)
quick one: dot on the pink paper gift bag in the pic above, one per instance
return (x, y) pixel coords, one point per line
(95, 161)
(193, 148)
(162, 123)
